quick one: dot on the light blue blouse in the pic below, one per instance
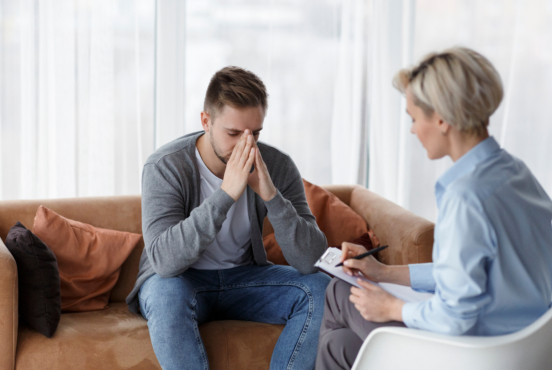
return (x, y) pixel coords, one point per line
(492, 256)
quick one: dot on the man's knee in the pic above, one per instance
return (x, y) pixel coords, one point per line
(316, 285)
(317, 282)
(166, 296)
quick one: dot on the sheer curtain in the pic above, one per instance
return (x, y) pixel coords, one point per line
(88, 89)
(309, 54)
(515, 35)
(76, 96)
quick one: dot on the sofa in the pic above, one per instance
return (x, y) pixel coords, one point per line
(115, 338)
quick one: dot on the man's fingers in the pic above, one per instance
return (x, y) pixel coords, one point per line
(238, 149)
(251, 159)
(260, 162)
(246, 145)
(246, 151)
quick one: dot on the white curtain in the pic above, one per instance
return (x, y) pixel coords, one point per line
(390, 40)
(88, 89)
(76, 100)
(348, 134)
(308, 54)
(517, 38)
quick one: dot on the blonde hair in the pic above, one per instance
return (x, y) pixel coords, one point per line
(461, 85)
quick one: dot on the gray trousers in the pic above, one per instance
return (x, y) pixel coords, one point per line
(343, 329)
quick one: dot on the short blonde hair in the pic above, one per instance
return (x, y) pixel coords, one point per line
(461, 85)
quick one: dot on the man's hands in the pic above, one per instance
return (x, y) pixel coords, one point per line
(369, 266)
(260, 180)
(237, 174)
(375, 304)
(237, 169)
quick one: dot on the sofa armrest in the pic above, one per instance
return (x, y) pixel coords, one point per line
(9, 303)
(410, 237)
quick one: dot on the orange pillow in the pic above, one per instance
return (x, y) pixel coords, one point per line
(334, 218)
(89, 258)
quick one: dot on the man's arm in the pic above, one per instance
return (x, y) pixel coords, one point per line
(295, 227)
(172, 241)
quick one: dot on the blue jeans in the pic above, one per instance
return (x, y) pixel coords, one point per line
(175, 307)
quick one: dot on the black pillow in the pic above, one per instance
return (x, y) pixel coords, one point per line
(39, 283)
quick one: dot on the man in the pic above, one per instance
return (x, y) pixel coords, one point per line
(204, 199)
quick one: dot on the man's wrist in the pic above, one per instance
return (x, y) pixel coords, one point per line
(270, 196)
(229, 193)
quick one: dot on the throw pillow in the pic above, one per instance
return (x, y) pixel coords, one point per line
(334, 218)
(38, 278)
(89, 258)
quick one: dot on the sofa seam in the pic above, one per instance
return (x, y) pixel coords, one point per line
(417, 242)
(426, 229)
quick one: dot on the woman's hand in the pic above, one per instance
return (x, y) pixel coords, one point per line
(369, 266)
(375, 304)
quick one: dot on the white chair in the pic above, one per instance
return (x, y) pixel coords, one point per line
(402, 348)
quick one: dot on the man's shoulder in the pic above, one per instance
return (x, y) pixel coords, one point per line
(177, 151)
(272, 155)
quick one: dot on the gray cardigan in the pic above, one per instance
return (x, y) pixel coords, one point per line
(177, 229)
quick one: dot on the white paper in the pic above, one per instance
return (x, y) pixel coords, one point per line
(330, 258)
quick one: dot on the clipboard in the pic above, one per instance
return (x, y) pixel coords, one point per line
(330, 258)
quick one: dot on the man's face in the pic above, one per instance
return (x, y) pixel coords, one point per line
(229, 125)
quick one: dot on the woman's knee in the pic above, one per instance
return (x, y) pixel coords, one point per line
(337, 349)
(338, 291)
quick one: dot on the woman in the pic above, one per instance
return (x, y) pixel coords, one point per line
(492, 256)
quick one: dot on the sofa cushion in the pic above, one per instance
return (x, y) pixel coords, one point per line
(39, 286)
(89, 258)
(115, 338)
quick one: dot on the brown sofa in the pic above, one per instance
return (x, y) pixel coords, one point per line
(115, 338)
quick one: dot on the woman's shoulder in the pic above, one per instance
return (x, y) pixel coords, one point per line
(498, 179)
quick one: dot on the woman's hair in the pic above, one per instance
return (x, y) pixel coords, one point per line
(461, 85)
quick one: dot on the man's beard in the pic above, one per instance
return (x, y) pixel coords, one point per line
(217, 151)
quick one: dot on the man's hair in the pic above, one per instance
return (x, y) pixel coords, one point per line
(235, 87)
(461, 85)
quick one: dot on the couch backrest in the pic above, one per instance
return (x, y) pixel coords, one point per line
(410, 237)
(121, 213)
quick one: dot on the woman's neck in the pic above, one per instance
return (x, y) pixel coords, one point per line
(461, 143)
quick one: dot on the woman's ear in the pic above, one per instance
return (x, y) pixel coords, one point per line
(444, 127)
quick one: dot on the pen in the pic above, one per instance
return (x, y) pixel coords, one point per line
(360, 256)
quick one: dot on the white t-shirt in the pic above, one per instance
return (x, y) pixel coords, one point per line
(232, 245)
